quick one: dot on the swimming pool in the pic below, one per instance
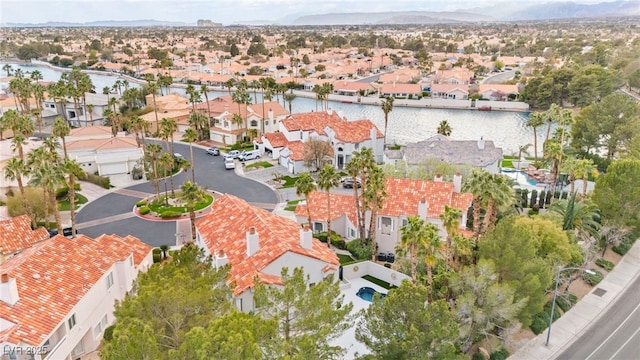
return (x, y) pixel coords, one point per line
(367, 293)
(521, 177)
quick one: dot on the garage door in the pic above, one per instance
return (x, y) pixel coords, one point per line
(112, 169)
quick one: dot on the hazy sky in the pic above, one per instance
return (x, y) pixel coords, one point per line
(223, 11)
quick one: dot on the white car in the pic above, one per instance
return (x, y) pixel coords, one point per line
(229, 163)
(249, 155)
(233, 154)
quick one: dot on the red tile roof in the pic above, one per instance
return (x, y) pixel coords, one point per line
(54, 275)
(225, 228)
(17, 234)
(297, 150)
(276, 139)
(341, 204)
(355, 131)
(312, 121)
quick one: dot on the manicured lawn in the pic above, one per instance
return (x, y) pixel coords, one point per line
(159, 207)
(260, 164)
(507, 163)
(289, 181)
(64, 205)
(379, 282)
(291, 205)
(345, 259)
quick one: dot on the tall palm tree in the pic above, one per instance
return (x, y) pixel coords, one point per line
(153, 89)
(584, 169)
(359, 166)
(444, 128)
(191, 194)
(304, 186)
(534, 122)
(387, 107)
(191, 136)
(477, 184)
(205, 91)
(61, 129)
(38, 94)
(49, 176)
(152, 157)
(570, 167)
(451, 222)
(14, 170)
(139, 127)
(166, 160)
(73, 171)
(411, 243)
(499, 194)
(374, 193)
(17, 144)
(551, 115)
(8, 69)
(168, 127)
(328, 179)
(432, 250)
(199, 122)
(289, 97)
(462, 249)
(553, 152)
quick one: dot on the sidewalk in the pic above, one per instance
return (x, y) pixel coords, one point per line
(581, 317)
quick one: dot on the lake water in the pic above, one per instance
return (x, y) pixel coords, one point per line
(506, 129)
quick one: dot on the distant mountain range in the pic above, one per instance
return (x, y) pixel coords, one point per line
(512, 11)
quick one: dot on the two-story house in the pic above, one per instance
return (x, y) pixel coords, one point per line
(405, 197)
(258, 243)
(58, 296)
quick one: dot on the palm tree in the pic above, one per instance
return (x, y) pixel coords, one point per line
(387, 107)
(373, 195)
(229, 84)
(432, 250)
(551, 114)
(8, 69)
(73, 171)
(499, 194)
(15, 170)
(477, 184)
(584, 168)
(411, 243)
(17, 143)
(169, 126)
(327, 180)
(166, 160)
(191, 136)
(289, 97)
(524, 149)
(49, 176)
(153, 156)
(304, 186)
(61, 129)
(38, 94)
(553, 152)
(139, 127)
(90, 111)
(583, 217)
(451, 222)
(360, 166)
(444, 128)
(570, 166)
(535, 121)
(153, 89)
(462, 249)
(205, 90)
(199, 122)
(191, 195)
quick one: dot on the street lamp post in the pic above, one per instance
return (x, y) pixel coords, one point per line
(555, 295)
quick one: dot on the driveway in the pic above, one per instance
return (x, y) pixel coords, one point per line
(113, 212)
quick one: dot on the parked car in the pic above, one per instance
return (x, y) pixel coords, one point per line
(229, 163)
(233, 154)
(178, 156)
(249, 155)
(66, 231)
(348, 183)
(213, 151)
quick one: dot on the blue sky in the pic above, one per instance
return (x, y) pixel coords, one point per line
(223, 11)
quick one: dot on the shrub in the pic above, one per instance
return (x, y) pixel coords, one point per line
(623, 247)
(62, 193)
(108, 333)
(605, 264)
(168, 214)
(157, 258)
(338, 242)
(539, 323)
(565, 302)
(592, 279)
(141, 203)
(542, 199)
(359, 250)
(99, 180)
(501, 354)
(478, 356)
(534, 198)
(144, 210)
(156, 251)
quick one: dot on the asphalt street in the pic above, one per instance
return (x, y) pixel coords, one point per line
(615, 335)
(210, 173)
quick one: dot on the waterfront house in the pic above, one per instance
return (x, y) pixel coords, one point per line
(481, 153)
(401, 91)
(59, 295)
(258, 243)
(450, 91)
(405, 197)
(498, 92)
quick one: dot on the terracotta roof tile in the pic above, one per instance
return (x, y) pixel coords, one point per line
(341, 204)
(276, 139)
(297, 150)
(54, 275)
(354, 131)
(225, 228)
(17, 234)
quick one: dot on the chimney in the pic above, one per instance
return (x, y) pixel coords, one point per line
(252, 241)
(422, 209)
(457, 183)
(438, 178)
(221, 259)
(306, 237)
(270, 114)
(9, 290)
(481, 143)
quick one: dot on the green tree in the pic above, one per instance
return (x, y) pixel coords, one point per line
(617, 193)
(307, 318)
(451, 222)
(534, 122)
(444, 128)
(404, 326)
(191, 136)
(327, 180)
(15, 170)
(152, 157)
(360, 166)
(62, 129)
(191, 195)
(73, 171)
(374, 193)
(412, 242)
(135, 339)
(387, 107)
(304, 186)
(49, 176)
(477, 185)
(582, 217)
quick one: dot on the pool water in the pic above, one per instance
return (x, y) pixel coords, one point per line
(367, 293)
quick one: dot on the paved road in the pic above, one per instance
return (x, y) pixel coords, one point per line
(499, 78)
(616, 335)
(115, 208)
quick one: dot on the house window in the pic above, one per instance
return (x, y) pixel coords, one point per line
(266, 122)
(226, 124)
(72, 321)
(357, 145)
(405, 222)
(352, 232)
(254, 123)
(109, 280)
(99, 328)
(385, 225)
(318, 227)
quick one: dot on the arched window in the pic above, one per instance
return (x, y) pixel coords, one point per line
(254, 123)
(340, 149)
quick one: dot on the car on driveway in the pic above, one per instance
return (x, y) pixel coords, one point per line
(229, 163)
(213, 151)
(66, 231)
(348, 183)
(249, 155)
(234, 154)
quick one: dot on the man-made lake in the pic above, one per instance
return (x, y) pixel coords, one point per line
(506, 129)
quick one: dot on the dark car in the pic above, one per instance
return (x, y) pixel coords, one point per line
(66, 231)
(213, 151)
(348, 183)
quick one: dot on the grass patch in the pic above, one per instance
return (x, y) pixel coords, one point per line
(507, 163)
(259, 164)
(345, 259)
(289, 181)
(64, 205)
(291, 205)
(159, 207)
(379, 282)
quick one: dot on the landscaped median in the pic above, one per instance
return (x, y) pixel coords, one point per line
(167, 207)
